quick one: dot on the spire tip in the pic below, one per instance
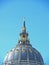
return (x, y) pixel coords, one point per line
(24, 21)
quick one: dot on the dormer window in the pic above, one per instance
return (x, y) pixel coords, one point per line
(24, 36)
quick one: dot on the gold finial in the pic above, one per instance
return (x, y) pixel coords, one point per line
(23, 19)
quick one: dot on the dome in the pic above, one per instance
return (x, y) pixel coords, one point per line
(23, 53)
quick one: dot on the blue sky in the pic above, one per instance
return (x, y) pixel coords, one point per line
(36, 13)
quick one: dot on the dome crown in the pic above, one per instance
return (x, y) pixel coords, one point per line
(23, 35)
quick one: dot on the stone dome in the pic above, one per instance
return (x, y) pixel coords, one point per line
(23, 53)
